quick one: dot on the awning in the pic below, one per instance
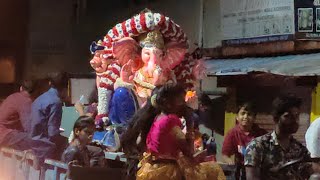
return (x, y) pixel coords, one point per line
(290, 65)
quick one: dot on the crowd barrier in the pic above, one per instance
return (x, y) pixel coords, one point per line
(18, 165)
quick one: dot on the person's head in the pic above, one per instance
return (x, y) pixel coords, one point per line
(60, 82)
(27, 86)
(83, 129)
(41, 86)
(246, 115)
(204, 102)
(286, 111)
(169, 99)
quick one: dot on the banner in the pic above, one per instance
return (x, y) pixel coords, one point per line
(307, 19)
(255, 21)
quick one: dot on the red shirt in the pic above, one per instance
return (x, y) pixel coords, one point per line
(15, 112)
(236, 141)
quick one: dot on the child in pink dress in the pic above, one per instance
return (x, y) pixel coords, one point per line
(167, 155)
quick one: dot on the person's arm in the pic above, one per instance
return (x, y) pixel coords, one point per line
(70, 155)
(252, 173)
(182, 141)
(228, 149)
(8, 109)
(252, 160)
(37, 120)
(24, 115)
(79, 108)
(228, 159)
(185, 146)
(313, 142)
(54, 121)
(316, 167)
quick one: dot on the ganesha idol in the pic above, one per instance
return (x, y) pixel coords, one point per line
(135, 56)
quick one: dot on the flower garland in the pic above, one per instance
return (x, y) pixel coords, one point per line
(139, 24)
(105, 89)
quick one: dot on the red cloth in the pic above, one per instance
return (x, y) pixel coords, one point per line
(236, 141)
(14, 114)
(160, 140)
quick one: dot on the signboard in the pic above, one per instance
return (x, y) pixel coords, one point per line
(307, 18)
(255, 21)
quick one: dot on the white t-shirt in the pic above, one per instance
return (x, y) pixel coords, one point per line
(313, 138)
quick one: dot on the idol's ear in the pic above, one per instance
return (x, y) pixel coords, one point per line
(199, 70)
(175, 53)
(126, 49)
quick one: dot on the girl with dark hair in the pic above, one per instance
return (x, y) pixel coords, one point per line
(167, 155)
(139, 126)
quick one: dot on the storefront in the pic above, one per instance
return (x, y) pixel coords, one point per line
(260, 80)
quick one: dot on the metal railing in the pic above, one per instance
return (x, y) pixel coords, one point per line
(19, 165)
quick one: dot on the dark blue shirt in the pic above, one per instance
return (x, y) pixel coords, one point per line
(46, 116)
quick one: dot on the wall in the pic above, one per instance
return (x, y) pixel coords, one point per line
(60, 32)
(100, 17)
(13, 33)
(315, 108)
(212, 34)
(49, 37)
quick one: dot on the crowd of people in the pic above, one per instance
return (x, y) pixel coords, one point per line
(155, 144)
(268, 155)
(31, 119)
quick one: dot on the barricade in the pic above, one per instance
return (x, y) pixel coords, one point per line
(18, 165)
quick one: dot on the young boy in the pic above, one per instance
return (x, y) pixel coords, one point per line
(238, 138)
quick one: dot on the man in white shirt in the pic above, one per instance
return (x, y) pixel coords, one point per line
(313, 138)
